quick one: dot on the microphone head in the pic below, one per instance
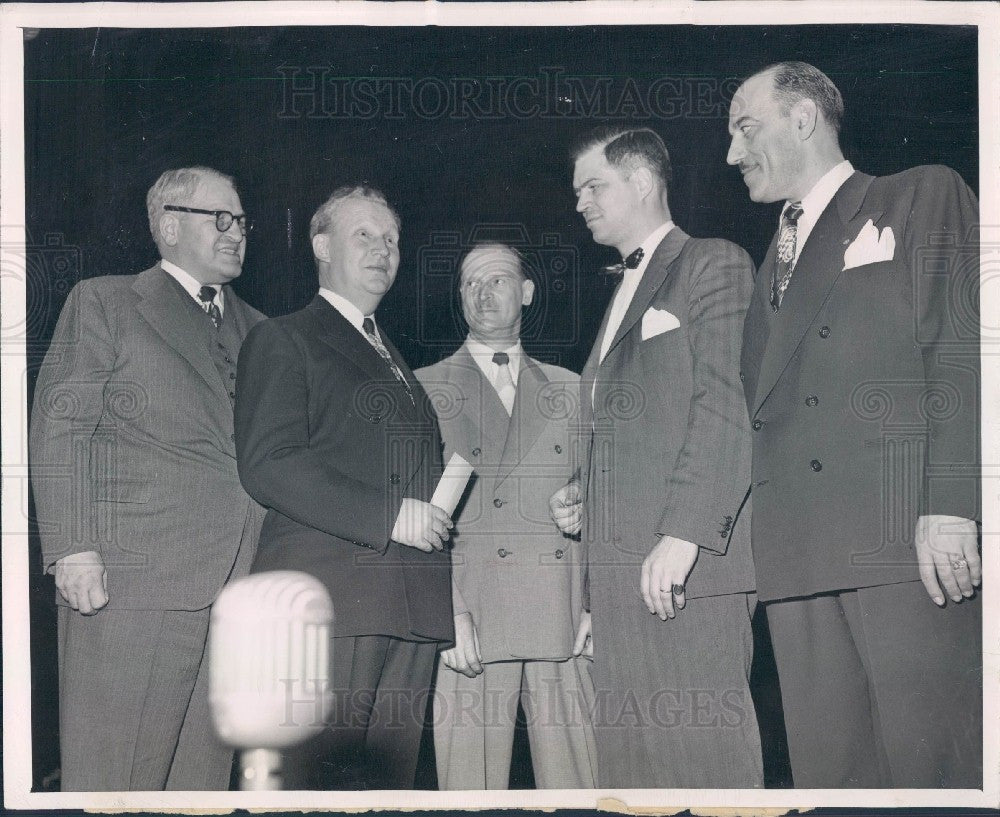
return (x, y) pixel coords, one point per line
(269, 657)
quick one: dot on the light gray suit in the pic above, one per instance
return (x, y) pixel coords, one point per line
(132, 455)
(669, 454)
(518, 576)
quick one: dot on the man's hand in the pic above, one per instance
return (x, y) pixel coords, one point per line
(584, 644)
(422, 526)
(566, 507)
(664, 574)
(948, 557)
(82, 581)
(464, 657)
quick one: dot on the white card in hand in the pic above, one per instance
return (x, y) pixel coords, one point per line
(452, 485)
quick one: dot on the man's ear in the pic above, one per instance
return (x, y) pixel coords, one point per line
(169, 228)
(321, 246)
(642, 178)
(527, 292)
(805, 114)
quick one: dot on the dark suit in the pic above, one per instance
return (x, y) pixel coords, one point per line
(863, 395)
(669, 454)
(133, 456)
(330, 443)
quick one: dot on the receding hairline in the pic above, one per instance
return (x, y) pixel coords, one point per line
(493, 247)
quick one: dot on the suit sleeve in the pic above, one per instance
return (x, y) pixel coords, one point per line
(276, 464)
(943, 242)
(713, 467)
(67, 410)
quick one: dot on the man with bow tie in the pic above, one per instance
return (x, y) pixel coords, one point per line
(517, 581)
(336, 438)
(141, 513)
(665, 460)
(861, 370)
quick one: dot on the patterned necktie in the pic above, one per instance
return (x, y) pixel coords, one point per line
(785, 262)
(369, 326)
(504, 383)
(207, 297)
(631, 262)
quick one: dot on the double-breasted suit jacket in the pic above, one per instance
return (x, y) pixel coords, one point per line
(331, 443)
(863, 389)
(512, 569)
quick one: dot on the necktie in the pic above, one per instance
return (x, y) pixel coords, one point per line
(623, 297)
(505, 382)
(630, 262)
(369, 326)
(785, 262)
(207, 297)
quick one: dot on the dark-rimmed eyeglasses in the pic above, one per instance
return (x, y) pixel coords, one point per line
(223, 218)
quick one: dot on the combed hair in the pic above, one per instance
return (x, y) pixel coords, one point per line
(794, 81)
(323, 217)
(496, 245)
(176, 187)
(629, 148)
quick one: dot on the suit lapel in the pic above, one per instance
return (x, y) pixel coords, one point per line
(526, 420)
(481, 403)
(817, 270)
(652, 279)
(164, 305)
(757, 326)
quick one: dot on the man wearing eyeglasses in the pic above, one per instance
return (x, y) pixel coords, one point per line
(141, 513)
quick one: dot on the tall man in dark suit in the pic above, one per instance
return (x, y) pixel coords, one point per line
(861, 367)
(141, 512)
(667, 455)
(517, 580)
(336, 437)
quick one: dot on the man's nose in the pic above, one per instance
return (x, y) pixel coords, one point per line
(380, 246)
(581, 203)
(736, 151)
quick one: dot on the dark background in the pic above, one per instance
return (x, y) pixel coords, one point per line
(107, 110)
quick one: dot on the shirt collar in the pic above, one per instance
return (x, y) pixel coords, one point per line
(483, 355)
(191, 286)
(632, 276)
(815, 201)
(351, 313)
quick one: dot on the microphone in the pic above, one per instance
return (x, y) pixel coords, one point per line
(269, 684)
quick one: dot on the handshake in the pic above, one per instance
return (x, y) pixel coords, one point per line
(422, 525)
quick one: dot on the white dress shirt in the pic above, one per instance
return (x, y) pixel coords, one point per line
(815, 202)
(625, 292)
(483, 355)
(191, 286)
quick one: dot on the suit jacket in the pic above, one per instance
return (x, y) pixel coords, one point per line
(329, 441)
(863, 389)
(512, 569)
(132, 446)
(669, 447)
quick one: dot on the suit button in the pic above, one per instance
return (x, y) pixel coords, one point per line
(497, 503)
(812, 401)
(476, 452)
(232, 394)
(375, 419)
(232, 375)
(559, 449)
(394, 479)
(227, 359)
(742, 377)
(502, 553)
(816, 465)
(824, 332)
(757, 425)
(559, 553)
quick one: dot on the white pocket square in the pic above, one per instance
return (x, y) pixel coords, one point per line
(870, 247)
(657, 321)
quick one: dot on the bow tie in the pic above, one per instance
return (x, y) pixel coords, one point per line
(631, 262)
